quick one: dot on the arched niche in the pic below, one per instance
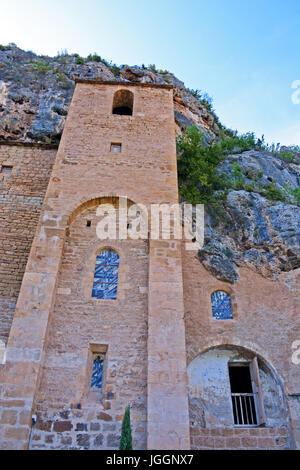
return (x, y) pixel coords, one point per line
(210, 395)
(123, 103)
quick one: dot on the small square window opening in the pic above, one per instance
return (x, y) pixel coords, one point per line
(116, 148)
(6, 170)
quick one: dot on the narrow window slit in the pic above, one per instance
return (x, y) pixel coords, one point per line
(97, 375)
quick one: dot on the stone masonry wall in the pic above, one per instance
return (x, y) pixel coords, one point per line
(77, 321)
(21, 197)
(244, 439)
(57, 328)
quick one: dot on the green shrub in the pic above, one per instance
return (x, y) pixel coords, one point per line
(94, 58)
(110, 65)
(39, 66)
(237, 177)
(286, 156)
(294, 192)
(248, 188)
(126, 435)
(114, 69)
(62, 53)
(203, 98)
(163, 72)
(63, 57)
(273, 193)
(198, 177)
(63, 81)
(9, 47)
(79, 60)
(152, 68)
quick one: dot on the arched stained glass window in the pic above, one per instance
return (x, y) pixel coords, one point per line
(97, 373)
(105, 285)
(221, 305)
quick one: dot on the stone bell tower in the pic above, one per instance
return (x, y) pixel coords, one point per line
(118, 141)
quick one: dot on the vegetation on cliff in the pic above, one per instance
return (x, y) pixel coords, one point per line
(201, 182)
(251, 195)
(36, 91)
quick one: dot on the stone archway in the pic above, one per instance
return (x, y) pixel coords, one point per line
(210, 402)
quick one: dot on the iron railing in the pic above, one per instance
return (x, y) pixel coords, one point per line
(244, 409)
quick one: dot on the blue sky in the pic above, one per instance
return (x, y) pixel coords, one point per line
(244, 53)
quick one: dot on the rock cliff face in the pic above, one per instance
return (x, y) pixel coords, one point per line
(35, 94)
(254, 231)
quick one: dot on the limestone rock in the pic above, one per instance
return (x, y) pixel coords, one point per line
(253, 231)
(36, 91)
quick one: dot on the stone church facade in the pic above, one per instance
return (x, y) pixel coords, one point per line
(203, 364)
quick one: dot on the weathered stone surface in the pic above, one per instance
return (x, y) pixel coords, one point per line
(113, 440)
(98, 441)
(238, 439)
(253, 231)
(35, 94)
(83, 440)
(62, 426)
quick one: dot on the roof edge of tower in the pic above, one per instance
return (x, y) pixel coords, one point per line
(97, 81)
(20, 143)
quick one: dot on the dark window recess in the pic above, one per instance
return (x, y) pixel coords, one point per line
(97, 375)
(242, 395)
(116, 148)
(123, 103)
(123, 111)
(6, 170)
(88, 223)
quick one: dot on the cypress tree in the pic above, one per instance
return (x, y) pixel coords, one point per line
(126, 436)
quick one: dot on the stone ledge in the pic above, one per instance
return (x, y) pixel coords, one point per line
(96, 81)
(18, 143)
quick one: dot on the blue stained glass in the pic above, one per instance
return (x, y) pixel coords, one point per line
(105, 291)
(105, 285)
(97, 373)
(106, 274)
(108, 257)
(221, 305)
